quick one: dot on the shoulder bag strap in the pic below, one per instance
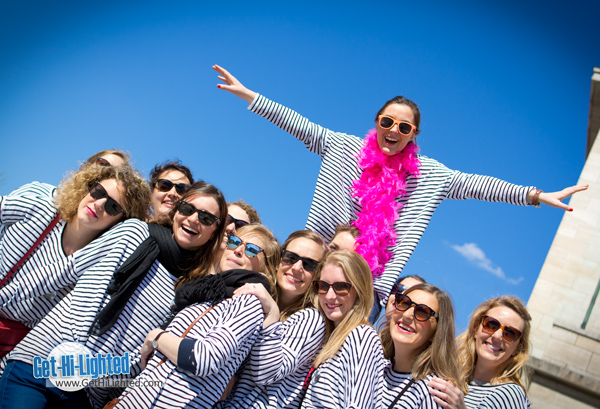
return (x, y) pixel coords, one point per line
(14, 268)
(412, 380)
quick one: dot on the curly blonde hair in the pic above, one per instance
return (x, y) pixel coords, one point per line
(513, 370)
(135, 200)
(358, 273)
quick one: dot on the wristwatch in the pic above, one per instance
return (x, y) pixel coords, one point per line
(155, 341)
(536, 197)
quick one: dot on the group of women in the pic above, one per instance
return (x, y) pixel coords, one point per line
(213, 312)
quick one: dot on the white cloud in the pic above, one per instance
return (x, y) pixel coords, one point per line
(475, 255)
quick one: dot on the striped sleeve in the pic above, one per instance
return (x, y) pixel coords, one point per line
(504, 396)
(315, 137)
(213, 350)
(36, 189)
(294, 344)
(353, 378)
(470, 186)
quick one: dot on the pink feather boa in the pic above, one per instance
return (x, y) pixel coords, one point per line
(382, 181)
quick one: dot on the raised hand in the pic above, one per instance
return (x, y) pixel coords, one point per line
(555, 199)
(233, 85)
(269, 305)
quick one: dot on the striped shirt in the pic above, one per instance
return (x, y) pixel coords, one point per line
(70, 320)
(503, 396)
(332, 203)
(37, 189)
(279, 362)
(353, 378)
(416, 396)
(222, 340)
(47, 275)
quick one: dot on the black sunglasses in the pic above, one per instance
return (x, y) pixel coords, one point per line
(204, 217)
(340, 288)
(165, 185)
(237, 222)
(251, 250)
(289, 257)
(111, 206)
(490, 325)
(422, 312)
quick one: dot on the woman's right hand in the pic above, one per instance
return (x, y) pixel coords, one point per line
(446, 394)
(269, 305)
(233, 85)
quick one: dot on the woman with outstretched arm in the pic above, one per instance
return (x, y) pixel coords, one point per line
(381, 183)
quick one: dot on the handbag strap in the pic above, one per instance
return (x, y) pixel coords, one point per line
(14, 268)
(188, 330)
(412, 380)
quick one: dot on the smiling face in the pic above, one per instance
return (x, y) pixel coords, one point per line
(237, 258)
(188, 232)
(163, 202)
(293, 280)
(492, 350)
(336, 306)
(91, 213)
(409, 335)
(390, 140)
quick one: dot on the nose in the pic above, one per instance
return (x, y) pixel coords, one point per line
(297, 266)
(498, 334)
(239, 250)
(173, 192)
(410, 313)
(99, 204)
(230, 229)
(330, 295)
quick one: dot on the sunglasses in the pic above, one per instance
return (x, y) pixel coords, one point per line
(387, 122)
(165, 185)
(422, 312)
(102, 162)
(340, 288)
(289, 257)
(204, 217)
(490, 325)
(250, 250)
(111, 207)
(237, 222)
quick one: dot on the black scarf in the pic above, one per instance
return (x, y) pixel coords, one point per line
(215, 288)
(160, 245)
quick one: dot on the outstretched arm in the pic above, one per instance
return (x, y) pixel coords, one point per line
(555, 199)
(233, 85)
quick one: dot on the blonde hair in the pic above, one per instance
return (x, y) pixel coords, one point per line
(135, 199)
(271, 250)
(513, 369)
(358, 273)
(439, 354)
(300, 303)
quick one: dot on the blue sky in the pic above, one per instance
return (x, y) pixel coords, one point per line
(503, 90)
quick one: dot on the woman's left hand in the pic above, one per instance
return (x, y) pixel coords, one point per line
(446, 394)
(555, 199)
(147, 348)
(269, 305)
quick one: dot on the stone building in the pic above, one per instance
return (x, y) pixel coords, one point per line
(564, 304)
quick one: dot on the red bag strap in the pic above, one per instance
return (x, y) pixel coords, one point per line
(14, 268)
